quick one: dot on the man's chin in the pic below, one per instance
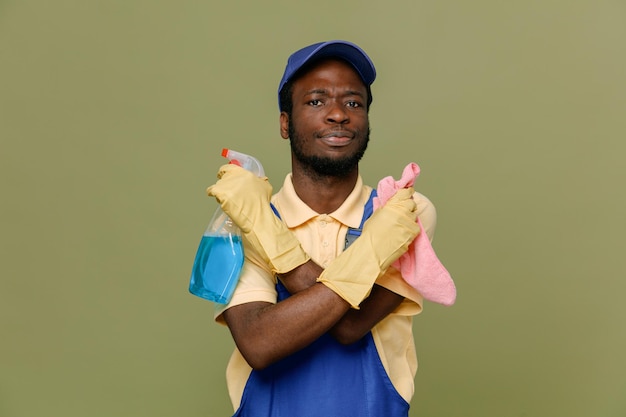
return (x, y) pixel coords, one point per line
(332, 167)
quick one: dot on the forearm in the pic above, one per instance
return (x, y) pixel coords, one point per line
(355, 323)
(265, 332)
(301, 278)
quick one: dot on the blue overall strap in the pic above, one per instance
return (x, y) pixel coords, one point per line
(325, 378)
(352, 233)
(275, 211)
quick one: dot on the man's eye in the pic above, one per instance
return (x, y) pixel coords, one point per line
(354, 104)
(315, 102)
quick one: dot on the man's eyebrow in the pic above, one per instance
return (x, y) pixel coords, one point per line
(346, 93)
(316, 91)
(354, 93)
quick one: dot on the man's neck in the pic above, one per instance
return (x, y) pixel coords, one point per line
(322, 193)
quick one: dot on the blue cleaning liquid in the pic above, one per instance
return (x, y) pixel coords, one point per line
(216, 268)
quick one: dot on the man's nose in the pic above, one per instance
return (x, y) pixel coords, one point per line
(337, 113)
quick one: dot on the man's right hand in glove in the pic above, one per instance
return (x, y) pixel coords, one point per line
(246, 199)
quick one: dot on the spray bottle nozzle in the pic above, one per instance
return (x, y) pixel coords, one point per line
(245, 161)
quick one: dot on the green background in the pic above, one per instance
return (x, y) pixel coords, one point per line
(112, 118)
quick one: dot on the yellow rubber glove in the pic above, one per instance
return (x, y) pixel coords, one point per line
(246, 199)
(386, 236)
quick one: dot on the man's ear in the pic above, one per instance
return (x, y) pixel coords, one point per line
(284, 125)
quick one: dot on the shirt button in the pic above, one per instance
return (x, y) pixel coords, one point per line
(325, 243)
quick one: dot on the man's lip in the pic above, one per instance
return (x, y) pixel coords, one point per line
(337, 134)
(334, 140)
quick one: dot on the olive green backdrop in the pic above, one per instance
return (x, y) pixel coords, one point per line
(112, 118)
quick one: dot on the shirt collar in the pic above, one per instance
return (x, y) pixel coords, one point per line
(295, 212)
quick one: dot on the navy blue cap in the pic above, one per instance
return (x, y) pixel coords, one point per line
(332, 49)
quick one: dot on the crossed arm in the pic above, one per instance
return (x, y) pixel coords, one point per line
(265, 332)
(322, 299)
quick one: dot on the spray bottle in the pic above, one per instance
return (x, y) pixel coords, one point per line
(219, 258)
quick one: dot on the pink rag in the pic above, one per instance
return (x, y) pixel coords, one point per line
(419, 266)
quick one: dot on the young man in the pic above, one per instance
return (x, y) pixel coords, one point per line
(322, 329)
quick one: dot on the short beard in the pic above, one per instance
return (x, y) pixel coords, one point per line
(325, 166)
